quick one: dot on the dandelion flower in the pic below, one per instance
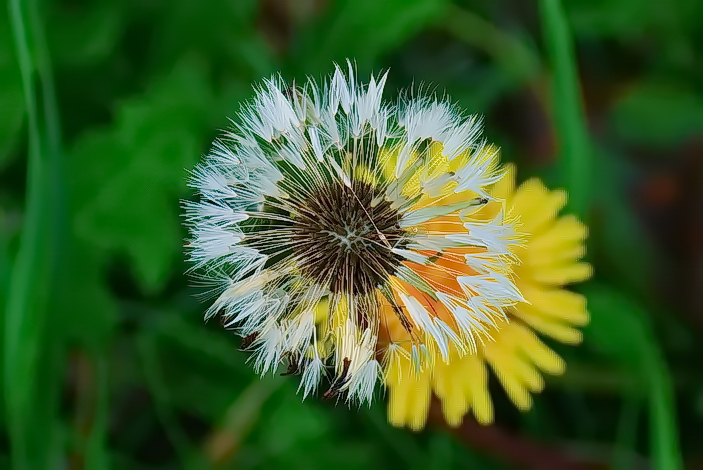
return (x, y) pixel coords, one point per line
(549, 259)
(342, 233)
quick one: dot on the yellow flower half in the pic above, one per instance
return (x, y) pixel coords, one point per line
(548, 260)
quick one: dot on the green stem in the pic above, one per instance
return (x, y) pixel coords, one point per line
(663, 434)
(23, 314)
(96, 455)
(25, 346)
(569, 119)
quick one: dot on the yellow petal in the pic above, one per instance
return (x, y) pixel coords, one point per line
(506, 366)
(552, 304)
(566, 230)
(538, 353)
(550, 327)
(409, 397)
(563, 274)
(536, 205)
(540, 259)
(419, 402)
(454, 401)
(396, 406)
(476, 384)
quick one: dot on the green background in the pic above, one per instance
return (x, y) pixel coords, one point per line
(104, 105)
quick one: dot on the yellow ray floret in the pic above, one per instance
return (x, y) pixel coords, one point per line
(548, 260)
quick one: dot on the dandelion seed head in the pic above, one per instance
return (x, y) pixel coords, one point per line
(343, 225)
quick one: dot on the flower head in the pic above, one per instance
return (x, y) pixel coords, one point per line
(549, 259)
(343, 232)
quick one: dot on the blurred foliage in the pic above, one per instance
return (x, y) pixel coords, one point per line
(10, 93)
(115, 100)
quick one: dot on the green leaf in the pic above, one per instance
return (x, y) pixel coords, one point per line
(89, 311)
(659, 113)
(613, 17)
(301, 424)
(86, 35)
(362, 30)
(127, 180)
(224, 31)
(632, 20)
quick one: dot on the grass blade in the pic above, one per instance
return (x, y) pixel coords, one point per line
(24, 348)
(620, 328)
(567, 108)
